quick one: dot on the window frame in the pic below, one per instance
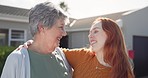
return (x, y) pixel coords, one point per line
(19, 40)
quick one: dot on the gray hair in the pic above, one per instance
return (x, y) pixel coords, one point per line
(46, 14)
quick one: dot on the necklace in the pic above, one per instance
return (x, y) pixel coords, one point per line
(100, 68)
(102, 65)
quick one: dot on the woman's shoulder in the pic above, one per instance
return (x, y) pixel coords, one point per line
(18, 53)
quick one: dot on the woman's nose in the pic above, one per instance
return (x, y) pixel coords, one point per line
(64, 33)
(89, 35)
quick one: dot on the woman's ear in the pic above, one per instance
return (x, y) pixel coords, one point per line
(40, 27)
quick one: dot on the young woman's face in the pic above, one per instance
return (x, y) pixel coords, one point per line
(97, 37)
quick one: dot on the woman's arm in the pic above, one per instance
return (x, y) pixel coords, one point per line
(75, 56)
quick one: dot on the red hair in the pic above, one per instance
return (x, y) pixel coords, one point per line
(115, 50)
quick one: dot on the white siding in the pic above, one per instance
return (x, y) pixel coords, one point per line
(136, 24)
(78, 39)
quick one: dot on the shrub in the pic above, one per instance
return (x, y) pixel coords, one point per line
(4, 52)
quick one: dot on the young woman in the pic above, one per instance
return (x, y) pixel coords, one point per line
(107, 57)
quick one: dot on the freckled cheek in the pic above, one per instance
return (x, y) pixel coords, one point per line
(105, 36)
(99, 37)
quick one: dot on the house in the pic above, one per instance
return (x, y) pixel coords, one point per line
(13, 25)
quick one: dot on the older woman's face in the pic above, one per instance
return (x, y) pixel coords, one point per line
(97, 36)
(55, 33)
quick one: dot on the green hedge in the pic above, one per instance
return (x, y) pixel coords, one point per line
(4, 52)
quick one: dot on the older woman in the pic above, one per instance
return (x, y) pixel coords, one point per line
(42, 59)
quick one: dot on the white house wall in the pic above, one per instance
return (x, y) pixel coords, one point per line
(78, 39)
(15, 25)
(135, 24)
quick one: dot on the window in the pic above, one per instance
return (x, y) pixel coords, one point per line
(17, 34)
(3, 37)
(16, 37)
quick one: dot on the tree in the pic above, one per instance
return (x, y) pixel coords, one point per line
(64, 6)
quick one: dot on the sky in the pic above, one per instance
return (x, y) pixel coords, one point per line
(84, 8)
